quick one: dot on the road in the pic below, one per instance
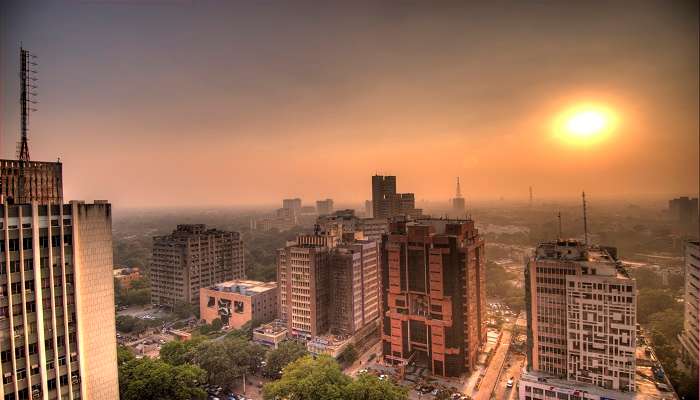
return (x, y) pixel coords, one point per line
(488, 383)
(516, 362)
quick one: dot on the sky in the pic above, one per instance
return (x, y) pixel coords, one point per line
(219, 103)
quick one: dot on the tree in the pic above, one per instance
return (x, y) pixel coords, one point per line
(369, 387)
(309, 379)
(180, 352)
(651, 301)
(225, 361)
(124, 355)
(216, 325)
(183, 309)
(149, 379)
(278, 358)
(348, 355)
(321, 378)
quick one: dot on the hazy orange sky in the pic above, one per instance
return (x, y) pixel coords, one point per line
(184, 103)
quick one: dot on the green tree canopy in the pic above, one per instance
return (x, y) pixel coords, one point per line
(321, 378)
(225, 361)
(149, 379)
(278, 358)
(180, 352)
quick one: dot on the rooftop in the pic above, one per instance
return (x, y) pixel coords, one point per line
(244, 287)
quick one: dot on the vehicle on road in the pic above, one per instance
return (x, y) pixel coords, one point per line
(509, 384)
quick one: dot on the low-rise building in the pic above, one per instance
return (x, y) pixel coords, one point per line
(271, 334)
(125, 276)
(239, 301)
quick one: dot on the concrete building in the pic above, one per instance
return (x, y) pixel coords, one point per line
(348, 223)
(581, 311)
(684, 210)
(57, 325)
(292, 204)
(271, 334)
(689, 336)
(324, 207)
(237, 302)
(22, 182)
(328, 284)
(387, 203)
(125, 276)
(433, 295)
(458, 205)
(190, 258)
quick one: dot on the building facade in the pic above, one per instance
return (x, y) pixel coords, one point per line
(190, 258)
(689, 336)
(22, 182)
(433, 295)
(324, 207)
(237, 302)
(581, 310)
(329, 283)
(387, 203)
(57, 325)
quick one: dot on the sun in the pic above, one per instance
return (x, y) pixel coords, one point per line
(585, 124)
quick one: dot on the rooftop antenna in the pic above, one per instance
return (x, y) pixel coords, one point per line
(585, 219)
(459, 192)
(27, 99)
(559, 217)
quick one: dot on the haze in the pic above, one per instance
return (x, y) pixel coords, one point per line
(176, 103)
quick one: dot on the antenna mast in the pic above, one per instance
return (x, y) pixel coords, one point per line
(27, 99)
(459, 192)
(585, 219)
(559, 217)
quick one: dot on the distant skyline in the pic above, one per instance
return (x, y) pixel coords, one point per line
(187, 103)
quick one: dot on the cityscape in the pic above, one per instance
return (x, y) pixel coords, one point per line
(331, 202)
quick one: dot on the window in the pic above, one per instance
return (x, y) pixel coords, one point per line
(27, 243)
(7, 379)
(21, 374)
(211, 302)
(14, 244)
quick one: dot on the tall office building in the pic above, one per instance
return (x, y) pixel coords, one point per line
(328, 284)
(190, 258)
(581, 316)
(22, 182)
(433, 295)
(386, 203)
(458, 205)
(324, 207)
(57, 327)
(689, 336)
(684, 210)
(292, 204)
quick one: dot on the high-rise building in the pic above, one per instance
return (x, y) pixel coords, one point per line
(458, 205)
(689, 336)
(386, 203)
(324, 207)
(345, 222)
(684, 210)
(293, 204)
(368, 209)
(581, 316)
(22, 182)
(433, 295)
(190, 258)
(328, 284)
(57, 327)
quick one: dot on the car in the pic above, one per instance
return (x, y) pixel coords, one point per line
(509, 384)
(382, 377)
(362, 371)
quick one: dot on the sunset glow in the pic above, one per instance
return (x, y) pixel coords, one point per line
(585, 124)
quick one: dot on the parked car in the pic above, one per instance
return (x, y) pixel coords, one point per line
(509, 384)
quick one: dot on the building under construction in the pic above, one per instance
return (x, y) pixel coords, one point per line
(433, 297)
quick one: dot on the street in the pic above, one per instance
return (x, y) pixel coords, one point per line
(488, 383)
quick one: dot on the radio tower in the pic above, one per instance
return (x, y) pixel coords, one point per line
(459, 192)
(27, 99)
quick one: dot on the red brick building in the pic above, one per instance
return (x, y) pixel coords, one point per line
(433, 295)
